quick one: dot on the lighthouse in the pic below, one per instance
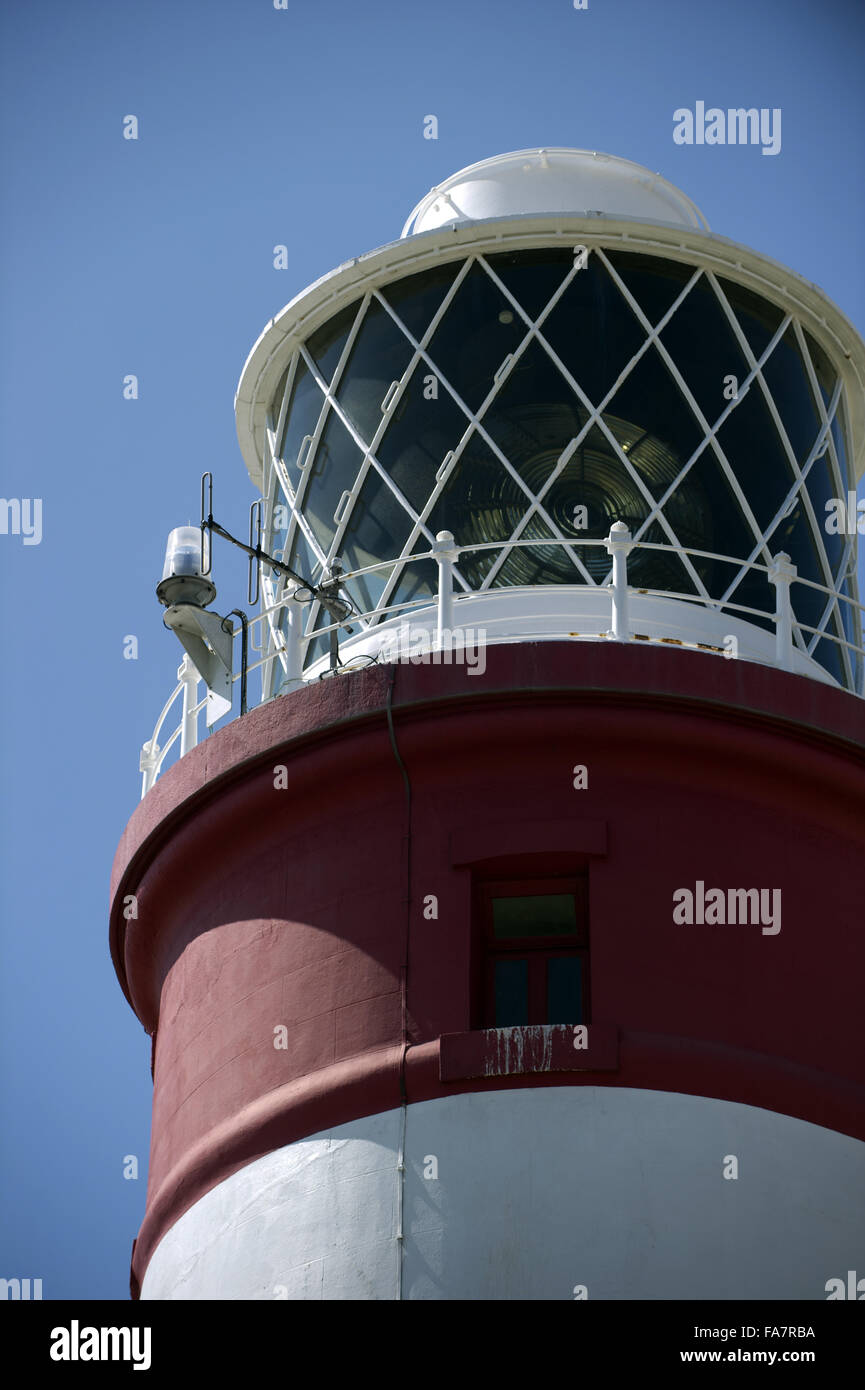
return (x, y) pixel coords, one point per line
(507, 943)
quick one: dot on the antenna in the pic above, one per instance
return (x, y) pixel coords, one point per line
(253, 585)
(186, 589)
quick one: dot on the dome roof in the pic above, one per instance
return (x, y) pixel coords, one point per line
(555, 181)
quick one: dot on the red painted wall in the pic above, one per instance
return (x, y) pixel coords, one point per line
(259, 907)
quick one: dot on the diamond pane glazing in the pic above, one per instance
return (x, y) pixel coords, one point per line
(590, 419)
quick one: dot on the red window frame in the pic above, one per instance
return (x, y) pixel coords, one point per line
(535, 950)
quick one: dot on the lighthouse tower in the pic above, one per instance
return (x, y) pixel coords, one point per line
(510, 945)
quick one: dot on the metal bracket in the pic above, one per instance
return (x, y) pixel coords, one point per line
(211, 648)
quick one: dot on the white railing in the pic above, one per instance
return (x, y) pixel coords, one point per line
(288, 645)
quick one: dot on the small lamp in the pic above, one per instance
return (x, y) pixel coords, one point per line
(182, 580)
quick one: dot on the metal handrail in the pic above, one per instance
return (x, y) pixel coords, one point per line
(275, 646)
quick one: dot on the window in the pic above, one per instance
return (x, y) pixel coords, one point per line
(535, 951)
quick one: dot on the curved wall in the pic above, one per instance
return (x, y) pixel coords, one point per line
(527, 1195)
(262, 906)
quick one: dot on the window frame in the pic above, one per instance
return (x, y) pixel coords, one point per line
(535, 950)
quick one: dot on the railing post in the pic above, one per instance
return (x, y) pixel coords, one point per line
(147, 765)
(445, 554)
(619, 545)
(781, 574)
(294, 637)
(189, 678)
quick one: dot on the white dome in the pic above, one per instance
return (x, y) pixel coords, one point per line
(555, 181)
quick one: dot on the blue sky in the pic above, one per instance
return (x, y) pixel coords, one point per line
(155, 257)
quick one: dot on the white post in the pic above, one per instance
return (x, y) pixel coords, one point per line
(189, 726)
(294, 638)
(619, 545)
(147, 766)
(445, 554)
(781, 574)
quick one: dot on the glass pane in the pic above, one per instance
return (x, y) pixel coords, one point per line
(417, 298)
(785, 376)
(848, 613)
(593, 330)
(795, 536)
(418, 582)
(378, 529)
(326, 344)
(656, 285)
(650, 457)
(366, 592)
(543, 564)
(549, 914)
(379, 357)
(334, 469)
(422, 431)
(319, 646)
(705, 515)
(303, 559)
(650, 402)
(303, 411)
(475, 336)
(305, 562)
(822, 366)
(511, 992)
(532, 277)
(280, 520)
(839, 434)
(534, 415)
(659, 569)
(480, 502)
(754, 591)
(821, 486)
(565, 990)
(754, 451)
(596, 480)
(278, 394)
(758, 319)
(703, 346)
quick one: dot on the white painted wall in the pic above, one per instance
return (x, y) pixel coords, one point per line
(537, 1191)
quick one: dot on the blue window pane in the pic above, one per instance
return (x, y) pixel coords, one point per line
(302, 416)
(565, 990)
(512, 992)
(325, 347)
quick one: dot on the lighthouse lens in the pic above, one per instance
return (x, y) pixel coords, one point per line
(528, 400)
